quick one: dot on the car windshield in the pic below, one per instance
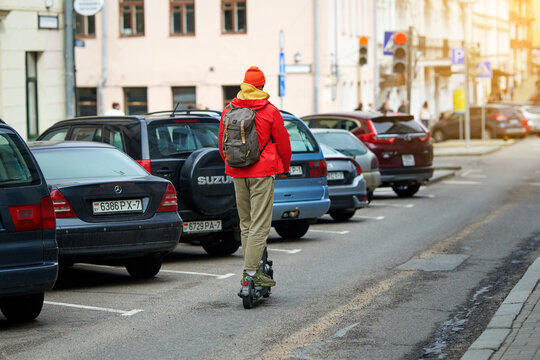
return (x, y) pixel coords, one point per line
(397, 125)
(342, 142)
(82, 163)
(301, 139)
(533, 109)
(16, 165)
(181, 138)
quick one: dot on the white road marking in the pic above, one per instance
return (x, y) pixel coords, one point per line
(431, 196)
(369, 217)
(459, 182)
(393, 205)
(121, 312)
(534, 184)
(331, 232)
(219, 277)
(473, 173)
(294, 251)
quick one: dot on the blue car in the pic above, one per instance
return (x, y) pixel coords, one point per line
(301, 196)
(28, 249)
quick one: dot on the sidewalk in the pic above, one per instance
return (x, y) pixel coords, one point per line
(514, 330)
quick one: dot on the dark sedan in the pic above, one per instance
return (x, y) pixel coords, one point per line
(108, 208)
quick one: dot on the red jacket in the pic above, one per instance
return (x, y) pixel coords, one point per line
(276, 157)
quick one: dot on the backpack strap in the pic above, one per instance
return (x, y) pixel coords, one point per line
(225, 129)
(242, 132)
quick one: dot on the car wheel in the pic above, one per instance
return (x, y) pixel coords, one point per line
(342, 215)
(406, 190)
(22, 308)
(369, 196)
(292, 229)
(224, 246)
(145, 267)
(438, 136)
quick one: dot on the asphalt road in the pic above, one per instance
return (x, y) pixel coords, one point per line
(384, 285)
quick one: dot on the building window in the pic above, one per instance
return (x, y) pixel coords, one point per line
(183, 17)
(184, 97)
(229, 93)
(32, 118)
(85, 26)
(131, 17)
(233, 16)
(136, 101)
(86, 101)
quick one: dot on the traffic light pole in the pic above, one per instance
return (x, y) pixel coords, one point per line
(409, 68)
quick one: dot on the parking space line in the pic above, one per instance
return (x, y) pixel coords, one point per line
(459, 182)
(330, 231)
(219, 277)
(294, 251)
(383, 204)
(369, 217)
(121, 312)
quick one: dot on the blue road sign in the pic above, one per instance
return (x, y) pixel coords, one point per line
(388, 48)
(79, 43)
(281, 74)
(458, 56)
(484, 70)
(282, 63)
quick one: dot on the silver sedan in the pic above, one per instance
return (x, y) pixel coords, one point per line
(348, 144)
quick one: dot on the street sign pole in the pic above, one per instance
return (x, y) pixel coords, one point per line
(466, 61)
(410, 70)
(281, 83)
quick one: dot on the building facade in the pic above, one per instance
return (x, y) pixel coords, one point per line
(32, 86)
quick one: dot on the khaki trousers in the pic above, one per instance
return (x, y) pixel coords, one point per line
(254, 199)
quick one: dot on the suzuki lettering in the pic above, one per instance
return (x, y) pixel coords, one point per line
(214, 180)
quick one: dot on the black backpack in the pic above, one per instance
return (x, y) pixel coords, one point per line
(240, 138)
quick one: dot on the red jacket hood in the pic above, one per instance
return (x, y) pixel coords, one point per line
(254, 104)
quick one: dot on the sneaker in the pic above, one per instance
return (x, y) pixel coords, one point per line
(261, 279)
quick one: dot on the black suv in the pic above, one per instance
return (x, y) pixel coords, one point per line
(28, 249)
(181, 147)
(500, 121)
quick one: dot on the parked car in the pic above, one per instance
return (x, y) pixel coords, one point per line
(108, 208)
(530, 111)
(28, 249)
(181, 147)
(500, 121)
(346, 184)
(402, 145)
(301, 196)
(345, 142)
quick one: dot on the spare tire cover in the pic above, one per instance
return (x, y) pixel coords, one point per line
(204, 186)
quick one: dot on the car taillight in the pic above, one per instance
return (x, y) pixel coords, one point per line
(62, 209)
(146, 164)
(317, 168)
(26, 217)
(48, 219)
(374, 163)
(499, 117)
(372, 138)
(357, 166)
(169, 201)
(426, 138)
(525, 123)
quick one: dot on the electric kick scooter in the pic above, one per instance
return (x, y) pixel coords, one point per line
(251, 293)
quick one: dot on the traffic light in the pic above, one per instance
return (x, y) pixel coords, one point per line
(401, 53)
(362, 60)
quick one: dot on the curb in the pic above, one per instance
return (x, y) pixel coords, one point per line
(501, 324)
(441, 174)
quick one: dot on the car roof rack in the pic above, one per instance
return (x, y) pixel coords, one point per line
(212, 113)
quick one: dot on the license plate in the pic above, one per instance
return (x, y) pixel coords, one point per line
(335, 175)
(116, 206)
(408, 160)
(295, 170)
(202, 226)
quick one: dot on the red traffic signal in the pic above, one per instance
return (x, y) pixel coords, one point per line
(400, 38)
(363, 40)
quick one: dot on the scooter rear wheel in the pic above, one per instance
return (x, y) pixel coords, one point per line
(247, 301)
